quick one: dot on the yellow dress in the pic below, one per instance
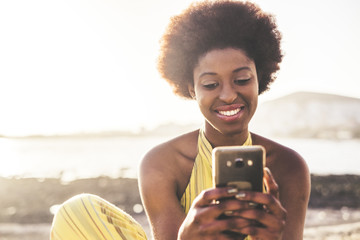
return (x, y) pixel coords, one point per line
(89, 217)
(201, 175)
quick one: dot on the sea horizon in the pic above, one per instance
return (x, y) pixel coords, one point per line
(119, 156)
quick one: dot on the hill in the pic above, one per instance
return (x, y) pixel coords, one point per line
(306, 114)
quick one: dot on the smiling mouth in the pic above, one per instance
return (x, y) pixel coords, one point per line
(231, 112)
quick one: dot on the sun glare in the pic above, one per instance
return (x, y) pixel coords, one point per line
(72, 66)
(10, 165)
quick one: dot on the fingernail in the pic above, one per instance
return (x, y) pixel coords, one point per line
(228, 213)
(240, 195)
(253, 205)
(232, 190)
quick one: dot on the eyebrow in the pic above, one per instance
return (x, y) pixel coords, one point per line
(234, 71)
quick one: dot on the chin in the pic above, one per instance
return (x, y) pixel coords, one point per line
(231, 130)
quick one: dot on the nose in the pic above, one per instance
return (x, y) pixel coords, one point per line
(228, 94)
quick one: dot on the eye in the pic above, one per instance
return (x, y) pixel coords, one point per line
(241, 81)
(210, 85)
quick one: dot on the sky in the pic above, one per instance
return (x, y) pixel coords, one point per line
(90, 65)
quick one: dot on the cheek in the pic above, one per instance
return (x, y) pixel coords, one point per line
(254, 101)
(251, 95)
(201, 101)
(254, 97)
(204, 102)
(254, 89)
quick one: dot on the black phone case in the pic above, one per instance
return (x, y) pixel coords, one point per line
(239, 166)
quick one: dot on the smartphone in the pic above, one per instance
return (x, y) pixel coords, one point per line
(239, 166)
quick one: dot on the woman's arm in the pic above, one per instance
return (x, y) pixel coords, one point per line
(157, 182)
(292, 176)
(294, 190)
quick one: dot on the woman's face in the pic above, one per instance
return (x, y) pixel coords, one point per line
(226, 89)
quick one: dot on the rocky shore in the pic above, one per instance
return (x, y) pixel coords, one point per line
(31, 202)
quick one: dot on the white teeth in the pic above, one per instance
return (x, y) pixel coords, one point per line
(230, 113)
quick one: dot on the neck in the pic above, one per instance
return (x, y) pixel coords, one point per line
(217, 138)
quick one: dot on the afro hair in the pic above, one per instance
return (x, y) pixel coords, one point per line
(209, 25)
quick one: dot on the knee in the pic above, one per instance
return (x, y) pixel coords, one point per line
(79, 198)
(71, 209)
(72, 204)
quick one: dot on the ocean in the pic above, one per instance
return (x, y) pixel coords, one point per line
(70, 158)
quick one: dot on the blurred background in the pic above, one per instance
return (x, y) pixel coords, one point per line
(81, 102)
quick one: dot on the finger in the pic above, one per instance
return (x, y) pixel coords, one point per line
(267, 220)
(207, 197)
(220, 236)
(230, 206)
(205, 210)
(225, 207)
(271, 203)
(270, 183)
(233, 223)
(260, 233)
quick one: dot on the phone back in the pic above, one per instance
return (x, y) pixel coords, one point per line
(239, 166)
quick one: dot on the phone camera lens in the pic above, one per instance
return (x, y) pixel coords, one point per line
(239, 162)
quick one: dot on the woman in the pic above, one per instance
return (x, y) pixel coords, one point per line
(223, 54)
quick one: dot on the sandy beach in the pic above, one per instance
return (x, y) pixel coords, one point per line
(343, 230)
(26, 204)
(340, 230)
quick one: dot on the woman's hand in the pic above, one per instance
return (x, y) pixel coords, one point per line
(203, 220)
(271, 218)
(206, 220)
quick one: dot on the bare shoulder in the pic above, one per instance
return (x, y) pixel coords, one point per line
(289, 169)
(282, 160)
(172, 151)
(292, 176)
(165, 170)
(171, 159)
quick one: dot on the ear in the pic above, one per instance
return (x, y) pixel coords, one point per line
(191, 91)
